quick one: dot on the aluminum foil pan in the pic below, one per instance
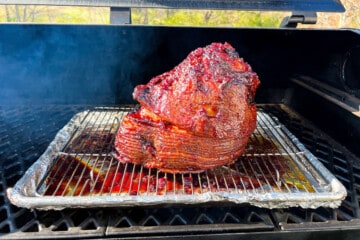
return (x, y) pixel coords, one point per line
(79, 169)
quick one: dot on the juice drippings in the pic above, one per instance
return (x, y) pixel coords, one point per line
(92, 142)
(261, 167)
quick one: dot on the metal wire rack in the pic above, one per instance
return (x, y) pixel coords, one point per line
(275, 170)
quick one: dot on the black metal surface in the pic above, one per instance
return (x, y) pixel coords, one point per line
(42, 122)
(340, 124)
(282, 5)
(344, 165)
(71, 63)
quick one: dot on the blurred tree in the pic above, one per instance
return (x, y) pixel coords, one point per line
(53, 14)
(206, 17)
(22, 13)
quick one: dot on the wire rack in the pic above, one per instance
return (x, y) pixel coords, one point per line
(274, 171)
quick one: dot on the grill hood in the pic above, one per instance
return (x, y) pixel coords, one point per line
(275, 5)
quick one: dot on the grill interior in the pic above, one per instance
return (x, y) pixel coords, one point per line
(153, 221)
(64, 70)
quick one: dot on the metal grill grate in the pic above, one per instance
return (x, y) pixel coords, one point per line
(16, 222)
(273, 166)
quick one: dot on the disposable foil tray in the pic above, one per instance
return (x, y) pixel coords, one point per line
(79, 169)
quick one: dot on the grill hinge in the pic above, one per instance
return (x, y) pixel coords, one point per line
(120, 15)
(299, 17)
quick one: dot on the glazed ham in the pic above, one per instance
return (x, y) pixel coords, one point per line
(195, 117)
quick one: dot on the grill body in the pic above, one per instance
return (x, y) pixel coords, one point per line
(55, 71)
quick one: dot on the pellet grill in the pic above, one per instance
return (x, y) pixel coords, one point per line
(310, 83)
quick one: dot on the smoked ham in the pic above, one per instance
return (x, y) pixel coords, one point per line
(195, 117)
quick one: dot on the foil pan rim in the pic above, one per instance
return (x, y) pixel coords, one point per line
(258, 200)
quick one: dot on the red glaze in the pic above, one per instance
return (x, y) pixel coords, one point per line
(197, 116)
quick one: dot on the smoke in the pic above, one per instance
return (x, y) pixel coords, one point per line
(57, 64)
(84, 64)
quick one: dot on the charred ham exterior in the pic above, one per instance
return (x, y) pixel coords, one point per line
(197, 116)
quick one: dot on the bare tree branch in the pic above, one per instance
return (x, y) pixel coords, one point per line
(7, 13)
(17, 13)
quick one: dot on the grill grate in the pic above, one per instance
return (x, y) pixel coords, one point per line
(273, 163)
(15, 223)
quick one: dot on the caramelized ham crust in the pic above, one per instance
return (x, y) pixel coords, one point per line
(197, 116)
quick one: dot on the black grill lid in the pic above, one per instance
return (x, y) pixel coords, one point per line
(276, 5)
